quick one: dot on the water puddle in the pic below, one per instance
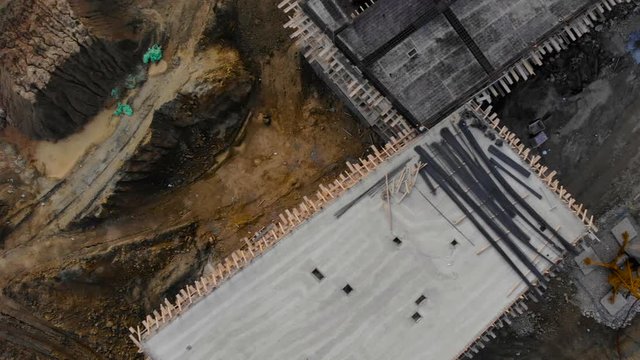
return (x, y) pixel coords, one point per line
(56, 159)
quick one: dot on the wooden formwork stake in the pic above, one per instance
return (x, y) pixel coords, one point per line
(386, 180)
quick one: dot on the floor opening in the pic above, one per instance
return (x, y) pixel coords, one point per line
(347, 289)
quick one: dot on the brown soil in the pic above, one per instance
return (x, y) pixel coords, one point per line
(588, 98)
(309, 139)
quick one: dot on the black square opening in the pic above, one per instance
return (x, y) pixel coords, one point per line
(454, 242)
(347, 289)
(412, 53)
(317, 274)
(397, 241)
(420, 299)
(416, 316)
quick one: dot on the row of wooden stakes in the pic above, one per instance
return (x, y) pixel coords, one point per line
(517, 307)
(547, 176)
(362, 8)
(288, 220)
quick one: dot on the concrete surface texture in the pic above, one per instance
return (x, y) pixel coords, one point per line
(331, 14)
(422, 296)
(382, 23)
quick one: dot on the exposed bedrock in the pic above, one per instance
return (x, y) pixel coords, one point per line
(55, 74)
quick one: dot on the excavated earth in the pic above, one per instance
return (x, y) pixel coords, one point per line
(103, 217)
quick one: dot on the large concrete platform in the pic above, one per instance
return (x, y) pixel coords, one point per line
(425, 284)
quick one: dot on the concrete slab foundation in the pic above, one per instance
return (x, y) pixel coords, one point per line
(613, 307)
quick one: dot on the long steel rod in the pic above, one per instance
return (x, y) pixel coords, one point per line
(426, 172)
(509, 161)
(515, 178)
(493, 188)
(487, 182)
(474, 143)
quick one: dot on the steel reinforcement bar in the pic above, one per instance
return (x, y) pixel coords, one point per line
(548, 177)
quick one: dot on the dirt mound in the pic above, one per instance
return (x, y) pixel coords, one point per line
(98, 293)
(55, 74)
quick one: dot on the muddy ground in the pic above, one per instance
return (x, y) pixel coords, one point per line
(589, 100)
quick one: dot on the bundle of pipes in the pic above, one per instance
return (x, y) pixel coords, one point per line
(463, 163)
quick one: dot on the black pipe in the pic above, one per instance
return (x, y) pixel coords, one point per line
(474, 143)
(506, 171)
(478, 190)
(492, 187)
(488, 184)
(425, 172)
(509, 161)
(429, 184)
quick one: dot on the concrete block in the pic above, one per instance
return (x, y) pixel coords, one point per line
(621, 227)
(615, 307)
(587, 253)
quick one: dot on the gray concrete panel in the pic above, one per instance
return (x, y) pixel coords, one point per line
(426, 94)
(381, 23)
(384, 36)
(331, 14)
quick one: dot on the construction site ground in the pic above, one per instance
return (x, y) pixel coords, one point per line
(74, 293)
